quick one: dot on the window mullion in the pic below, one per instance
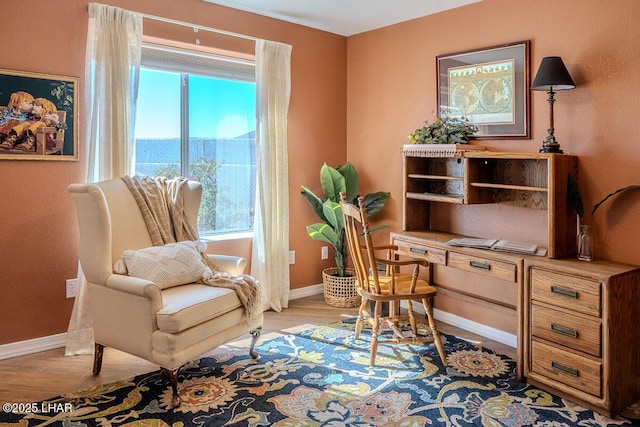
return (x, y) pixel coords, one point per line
(184, 125)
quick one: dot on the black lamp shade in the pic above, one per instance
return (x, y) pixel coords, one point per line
(552, 75)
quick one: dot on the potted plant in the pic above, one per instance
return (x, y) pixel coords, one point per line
(331, 229)
(444, 130)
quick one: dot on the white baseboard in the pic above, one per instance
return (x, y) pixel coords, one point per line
(477, 328)
(471, 326)
(36, 345)
(306, 291)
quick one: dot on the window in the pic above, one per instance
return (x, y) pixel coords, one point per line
(196, 117)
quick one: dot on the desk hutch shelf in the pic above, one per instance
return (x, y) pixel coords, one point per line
(530, 180)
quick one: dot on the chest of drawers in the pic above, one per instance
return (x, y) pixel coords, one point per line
(581, 331)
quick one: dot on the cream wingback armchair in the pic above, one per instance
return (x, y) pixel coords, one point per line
(169, 326)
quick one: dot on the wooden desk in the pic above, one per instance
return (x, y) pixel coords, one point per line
(504, 270)
(577, 329)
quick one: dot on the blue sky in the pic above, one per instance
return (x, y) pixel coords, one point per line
(218, 108)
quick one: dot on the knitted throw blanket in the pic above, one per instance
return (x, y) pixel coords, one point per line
(161, 202)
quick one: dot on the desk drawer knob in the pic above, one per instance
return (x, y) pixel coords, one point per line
(564, 292)
(481, 265)
(419, 251)
(564, 330)
(564, 368)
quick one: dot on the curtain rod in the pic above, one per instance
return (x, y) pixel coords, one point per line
(198, 27)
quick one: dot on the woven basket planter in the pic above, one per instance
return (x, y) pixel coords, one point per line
(340, 291)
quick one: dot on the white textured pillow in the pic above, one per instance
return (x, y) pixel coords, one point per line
(169, 265)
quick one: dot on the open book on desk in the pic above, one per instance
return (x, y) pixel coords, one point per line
(498, 245)
(518, 248)
(472, 242)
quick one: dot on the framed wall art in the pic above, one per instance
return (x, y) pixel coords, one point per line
(489, 87)
(38, 116)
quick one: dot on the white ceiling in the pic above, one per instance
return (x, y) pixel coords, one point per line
(344, 17)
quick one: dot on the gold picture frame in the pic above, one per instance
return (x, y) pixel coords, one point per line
(38, 116)
(489, 87)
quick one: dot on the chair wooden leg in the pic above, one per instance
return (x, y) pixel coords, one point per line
(428, 309)
(375, 331)
(172, 375)
(412, 318)
(373, 349)
(360, 321)
(97, 358)
(255, 335)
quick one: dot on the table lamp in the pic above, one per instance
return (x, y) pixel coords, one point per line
(552, 76)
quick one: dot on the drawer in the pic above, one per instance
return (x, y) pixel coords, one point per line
(570, 292)
(567, 330)
(414, 250)
(488, 267)
(571, 369)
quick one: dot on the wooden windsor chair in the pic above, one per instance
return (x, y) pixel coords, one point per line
(392, 287)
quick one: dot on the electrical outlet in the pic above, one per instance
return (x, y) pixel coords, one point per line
(324, 254)
(292, 257)
(72, 288)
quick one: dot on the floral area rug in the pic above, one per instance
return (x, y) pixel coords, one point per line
(321, 377)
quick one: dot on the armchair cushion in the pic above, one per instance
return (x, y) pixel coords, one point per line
(170, 265)
(190, 305)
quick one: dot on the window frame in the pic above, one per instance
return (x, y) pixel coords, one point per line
(186, 62)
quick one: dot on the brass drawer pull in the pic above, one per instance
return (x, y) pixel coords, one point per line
(564, 330)
(419, 251)
(482, 265)
(564, 368)
(564, 291)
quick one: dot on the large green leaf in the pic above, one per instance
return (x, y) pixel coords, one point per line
(332, 183)
(324, 232)
(378, 227)
(373, 202)
(315, 201)
(333, 214)
(348, 171)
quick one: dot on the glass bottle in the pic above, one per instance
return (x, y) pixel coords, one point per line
(585, 244)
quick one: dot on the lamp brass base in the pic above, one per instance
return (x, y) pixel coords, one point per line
(551, 148)
(550, 145)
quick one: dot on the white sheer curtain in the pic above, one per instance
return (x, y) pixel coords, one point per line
(270, 257)
(112, 64)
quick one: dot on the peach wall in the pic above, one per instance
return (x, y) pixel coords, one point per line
(392, 90)
(39, 250)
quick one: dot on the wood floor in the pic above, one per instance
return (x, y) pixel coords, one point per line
(43, 375)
